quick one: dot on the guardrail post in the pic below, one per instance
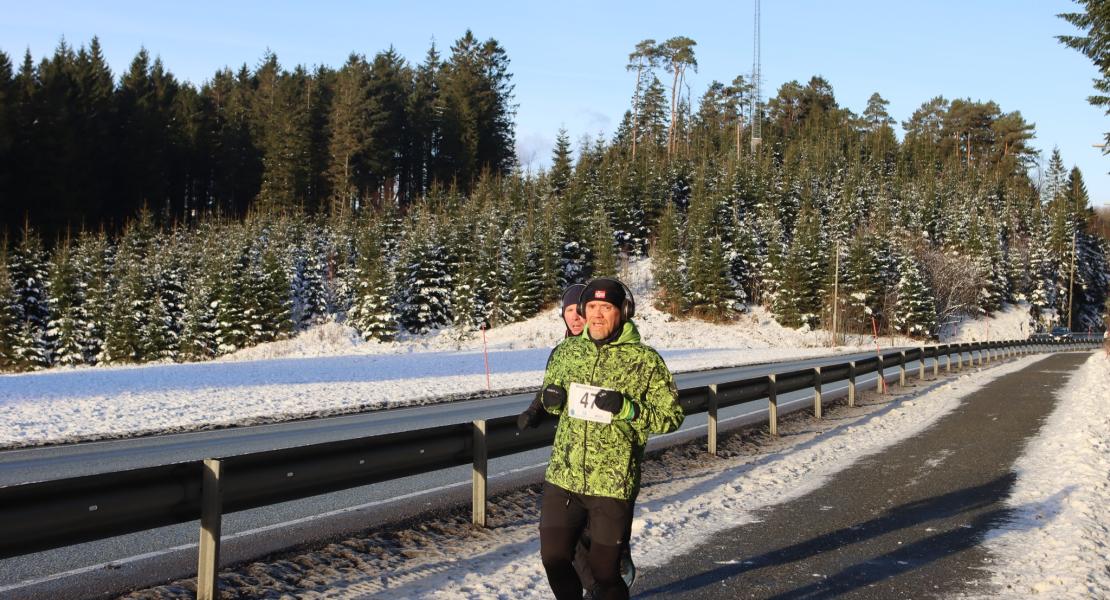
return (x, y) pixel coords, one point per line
(880, 382)
(712, 425)
(936, 362)
(773, 404)
(852, 383)
(902, 369)
(211, 506)
(921, 365)
(817, 392)
(478, 476)
(959, 358)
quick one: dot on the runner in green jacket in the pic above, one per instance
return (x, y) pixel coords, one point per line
(594, 472)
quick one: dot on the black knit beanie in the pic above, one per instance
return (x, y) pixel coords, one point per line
(572, 294)
(604, 289)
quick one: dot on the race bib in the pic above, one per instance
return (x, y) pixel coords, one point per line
(580, 404)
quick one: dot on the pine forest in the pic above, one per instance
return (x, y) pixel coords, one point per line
(150, 220)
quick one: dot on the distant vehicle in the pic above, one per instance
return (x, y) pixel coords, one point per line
(1060, 333)
(1040, 335)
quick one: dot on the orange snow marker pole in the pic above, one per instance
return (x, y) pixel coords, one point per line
(878, 352)
(485, 354)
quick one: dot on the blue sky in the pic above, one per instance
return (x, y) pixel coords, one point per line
(568, 57)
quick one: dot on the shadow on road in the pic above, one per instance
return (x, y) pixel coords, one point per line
(975, 503)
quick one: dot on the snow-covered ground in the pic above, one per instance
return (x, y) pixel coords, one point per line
(328, 370)
(1057, 543)
(1010, 323)
(686, 497)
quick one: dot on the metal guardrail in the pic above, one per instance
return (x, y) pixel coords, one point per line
(50, 514)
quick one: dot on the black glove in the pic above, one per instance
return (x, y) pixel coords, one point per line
(554, 396)
(532, 416)
(609, 400)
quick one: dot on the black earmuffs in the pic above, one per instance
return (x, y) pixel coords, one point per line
(627, 306)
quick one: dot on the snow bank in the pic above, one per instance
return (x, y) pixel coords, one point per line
(1057, 541)
(1010, 323)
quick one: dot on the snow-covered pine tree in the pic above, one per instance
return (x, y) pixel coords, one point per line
(860, 284)
(205, 270)
(801, 295)
(372, 311)
(710, 293)
(28, 267)
(603, 250)
(66, 306)
(423, 283)
(310, 305)
(915, 309)
(667, 263)
(234, 310)
(130, 310)
(524, 284)
(771, 271)
(10, 315)
(93, 258)
(275, 296)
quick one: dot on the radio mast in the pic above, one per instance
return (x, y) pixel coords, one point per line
(756, 117)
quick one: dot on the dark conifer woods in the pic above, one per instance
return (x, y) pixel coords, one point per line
(384, 194)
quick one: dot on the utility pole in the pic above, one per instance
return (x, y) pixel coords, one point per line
(1071, 278)
(836, 290)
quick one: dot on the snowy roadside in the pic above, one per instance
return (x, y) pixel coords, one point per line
(1057, 542)
(686, 496)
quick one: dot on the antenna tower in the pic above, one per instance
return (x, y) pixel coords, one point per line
(756, 117)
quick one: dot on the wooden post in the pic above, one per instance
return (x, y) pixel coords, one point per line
(817, 392)
(712, 425)
(902, 369)
(211, 506)
(772, 404)
(921, 365)
(852, 383)
(478, 476)
(880, 382)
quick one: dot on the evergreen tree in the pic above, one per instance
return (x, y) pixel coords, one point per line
(915, 309)
(66, 306)
(28, 268)
(604, 251)
(423, 284)
(668, 264)
(800, 297)
(10, 316)
(372, 313)
(93, 260)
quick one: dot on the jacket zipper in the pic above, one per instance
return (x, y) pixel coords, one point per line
(586, 431)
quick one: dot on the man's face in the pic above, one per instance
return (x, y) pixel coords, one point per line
(603, 318)
(575, 322)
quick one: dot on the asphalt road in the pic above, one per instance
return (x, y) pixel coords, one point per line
(905, 524)
(109, 566)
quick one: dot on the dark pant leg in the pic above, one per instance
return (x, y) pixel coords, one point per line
(610, 522)
(562, 517)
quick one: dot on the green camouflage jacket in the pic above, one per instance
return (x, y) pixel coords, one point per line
(599, 459)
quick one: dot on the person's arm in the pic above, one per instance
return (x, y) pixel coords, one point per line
(657, 410)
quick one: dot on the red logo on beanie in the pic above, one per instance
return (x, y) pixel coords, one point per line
(599, 294)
